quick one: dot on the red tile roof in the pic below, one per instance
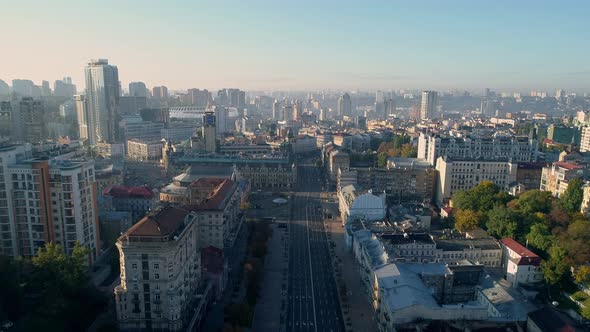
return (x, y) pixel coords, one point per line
(217, 197)
(163, 222)
(566, 165)
(128, 192)
(527, 257)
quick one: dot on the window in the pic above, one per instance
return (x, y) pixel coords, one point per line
(156, 266)
(134, 266)
(157, 276)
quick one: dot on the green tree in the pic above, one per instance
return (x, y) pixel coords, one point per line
(582, 275)
(11, 294)
(540, 236)
(532, 201)
(482, 197)
(466, 220)
(571, 200)
(382, 159)
(502, 222)
(555, 268)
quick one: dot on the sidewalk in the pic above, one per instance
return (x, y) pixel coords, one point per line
(357, 311)
(271, 301)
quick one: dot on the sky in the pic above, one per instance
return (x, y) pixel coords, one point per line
(303, 45)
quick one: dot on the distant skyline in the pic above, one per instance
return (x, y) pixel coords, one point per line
(304, 45)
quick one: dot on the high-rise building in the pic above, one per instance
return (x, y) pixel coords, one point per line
(276, 109)
(102, 100)
(221, 120)
(23, 88)
(209, 132)
(287, 115)
(297, 109)
(344, 106)
(160, 271)
(64, 88)
(160, 92)
(428, 104)
(32, 116)
(137, 89)
(46, 201)
(4, 88)
(488, 107)
(6, 120)
(199, 98)
(45, 89)
(389, 108)
(380, 104)
(82, 116)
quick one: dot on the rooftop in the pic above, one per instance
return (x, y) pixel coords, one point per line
(466, 244)
(128, 192)
(527, 257)
(217, 198)
(159, 225)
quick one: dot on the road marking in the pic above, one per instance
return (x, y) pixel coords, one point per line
(310, 268)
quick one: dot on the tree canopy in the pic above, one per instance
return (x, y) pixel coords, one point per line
(571, 200)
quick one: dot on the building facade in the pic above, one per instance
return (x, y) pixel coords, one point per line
(102, 95)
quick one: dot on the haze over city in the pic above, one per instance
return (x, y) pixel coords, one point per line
(304, 44)
(294, 166)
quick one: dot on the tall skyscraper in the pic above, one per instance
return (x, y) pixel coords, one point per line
(45, 89)
(82, 116)
(102, 101)
(297, 109)
(160, 92)
(380, 104)
(428, 104)
(23, 88)
(4, 88)
(344, 106)
(137, 89)
(221, 120)
(287, 115)
(276, 110)
(209, 132)
(388, 108)
(6, 121)
(64, 88)
(32, 116)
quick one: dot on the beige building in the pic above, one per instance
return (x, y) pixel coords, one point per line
(46, 201)
(160, 272)
(556, 177)
(141, 150)
(457, 175)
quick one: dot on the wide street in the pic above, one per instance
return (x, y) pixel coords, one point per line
(313, 303)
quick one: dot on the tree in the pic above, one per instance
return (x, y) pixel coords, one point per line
(571, 200)
(576, 241)
(382, 159)
(540, 236)
(482, 197)
(555, 268)
(502, 222)
(532, 201)
(466, 220)
(582, 275)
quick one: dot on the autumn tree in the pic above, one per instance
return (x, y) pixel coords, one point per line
(466, 220)
(540, 236)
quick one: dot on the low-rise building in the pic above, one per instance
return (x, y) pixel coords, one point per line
(144, 150)
(352, 201)
(522, 266)
(135, 200)
(555, 178)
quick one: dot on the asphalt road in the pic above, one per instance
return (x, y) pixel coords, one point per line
(313, 303)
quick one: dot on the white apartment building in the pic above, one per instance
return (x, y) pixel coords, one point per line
(517, 148)
(521, 265)
(142, 150)
(46, 201)
(160, 272)
(461, 174)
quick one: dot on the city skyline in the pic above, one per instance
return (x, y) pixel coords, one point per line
(303, 45)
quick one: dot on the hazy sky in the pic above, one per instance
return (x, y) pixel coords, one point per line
(284, 44)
